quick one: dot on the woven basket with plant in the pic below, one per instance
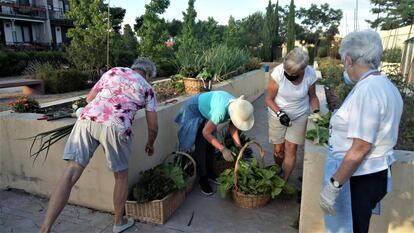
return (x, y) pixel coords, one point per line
(252, 185)
(158, 194)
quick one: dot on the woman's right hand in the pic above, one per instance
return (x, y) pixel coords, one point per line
(227, 154)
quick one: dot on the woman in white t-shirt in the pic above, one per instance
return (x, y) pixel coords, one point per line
(363, 132)
(290, 92)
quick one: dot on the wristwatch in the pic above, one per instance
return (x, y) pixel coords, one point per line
(335, 183)
(316, 111)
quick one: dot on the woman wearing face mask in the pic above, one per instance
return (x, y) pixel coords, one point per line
(363, 132)
(290, 93)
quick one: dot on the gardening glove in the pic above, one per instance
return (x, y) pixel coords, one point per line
(227, 154)
(284, 118)
(315, 117)
(328, 198)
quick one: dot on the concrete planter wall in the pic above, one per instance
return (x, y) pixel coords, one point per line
(94, 188)
(397, 210)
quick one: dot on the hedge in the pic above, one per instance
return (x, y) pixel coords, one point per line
(60, 81)
(13, 63)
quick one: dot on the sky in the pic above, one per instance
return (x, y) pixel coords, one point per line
(221, 10)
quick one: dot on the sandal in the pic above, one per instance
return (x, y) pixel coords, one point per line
(120, 228)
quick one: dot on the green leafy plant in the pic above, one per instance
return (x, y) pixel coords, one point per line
(229, 143)
(392, 55)
(156, 183)
(47, 139)
(252, 179)
(320, 134)
(177, 82)
(25, 104)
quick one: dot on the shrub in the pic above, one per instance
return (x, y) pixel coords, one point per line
(322, 51)
(12, 63)
(60, 81)
(392, 55)
(253, 64)
(25, 104)
(225, 62)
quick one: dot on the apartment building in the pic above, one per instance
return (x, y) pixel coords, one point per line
(34, 24)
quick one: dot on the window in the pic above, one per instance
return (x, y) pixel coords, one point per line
(22, 34)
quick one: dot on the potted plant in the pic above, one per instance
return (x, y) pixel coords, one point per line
(252, 185)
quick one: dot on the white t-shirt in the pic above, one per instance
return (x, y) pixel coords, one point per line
(371, 112)
(290, 98)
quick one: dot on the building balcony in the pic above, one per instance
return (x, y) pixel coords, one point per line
(17, 10)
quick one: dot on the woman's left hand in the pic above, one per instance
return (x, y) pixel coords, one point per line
(149, 149)
(328, 198)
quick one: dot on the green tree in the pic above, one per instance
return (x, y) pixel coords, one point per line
(318, 22)
(174, 27)
(209, 32)
(232, 35)
(153, 31)
(131, 42)
(291, 27)
(251, 29)
(116, 16)
(392, 13)
(138, 23)
(271, 31)
(89, 34)
(188, 40)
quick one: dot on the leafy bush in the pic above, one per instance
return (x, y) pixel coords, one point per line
(392, 55)
(25, 104)
(158, 182)
(190, 63)
(60, 81)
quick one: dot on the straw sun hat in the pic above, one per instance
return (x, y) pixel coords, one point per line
(241, 113)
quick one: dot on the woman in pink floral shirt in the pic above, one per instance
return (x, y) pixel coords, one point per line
(107, 121)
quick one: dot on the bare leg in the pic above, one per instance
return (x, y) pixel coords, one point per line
(120, 195)
(60, 196)
(279, 153)
(290, 159)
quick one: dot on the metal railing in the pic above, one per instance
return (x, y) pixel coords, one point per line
(22, 10)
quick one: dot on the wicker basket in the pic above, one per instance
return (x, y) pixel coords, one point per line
(157, 211)
(243, 200)
(193, 86)
(191, 179)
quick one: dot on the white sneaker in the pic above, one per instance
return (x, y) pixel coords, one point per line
(121, 228)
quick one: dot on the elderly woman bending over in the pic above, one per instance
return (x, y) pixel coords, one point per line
(363, 132)
(107, 120)
(290, 92)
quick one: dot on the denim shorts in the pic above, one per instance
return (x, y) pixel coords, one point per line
(85, 138)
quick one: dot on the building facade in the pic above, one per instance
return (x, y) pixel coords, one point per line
(34, 24)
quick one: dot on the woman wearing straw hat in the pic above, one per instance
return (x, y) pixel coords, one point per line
(290, 93)
(198, 120)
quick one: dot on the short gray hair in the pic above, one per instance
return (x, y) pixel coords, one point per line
(364, 48)
(145, 65)
(296, 60)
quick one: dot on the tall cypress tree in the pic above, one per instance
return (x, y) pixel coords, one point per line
(188, 37)
(268, 33)
(291, 27)
(276, 39)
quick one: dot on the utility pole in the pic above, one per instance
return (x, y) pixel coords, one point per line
(107, 41)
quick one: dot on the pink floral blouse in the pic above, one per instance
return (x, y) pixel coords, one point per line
(121, 93)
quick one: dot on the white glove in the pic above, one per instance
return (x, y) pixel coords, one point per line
(328, 198)
(315, 117)
(227, 154)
